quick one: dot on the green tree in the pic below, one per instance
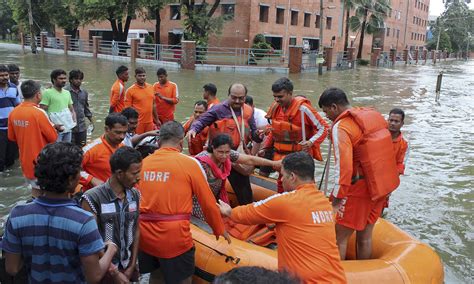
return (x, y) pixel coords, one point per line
(348, 6)
(119, 13)
(62, 13)
(152, 10)
(7, 24)
(369, 18)
(458, 21)
(444, 41)
(41, 18)
(199, 22)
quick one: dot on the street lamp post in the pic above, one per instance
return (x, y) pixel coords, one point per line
(321, 31)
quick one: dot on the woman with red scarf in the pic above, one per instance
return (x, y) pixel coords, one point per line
(217, 163)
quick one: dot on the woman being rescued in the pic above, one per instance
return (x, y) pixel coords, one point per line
(217, 162)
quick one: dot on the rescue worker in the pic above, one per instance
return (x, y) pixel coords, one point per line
(366, 171)
(396, 118)
(117, 92)
(141, 96)
(131, 138)
(287, 115)
(304, 223)
(95, 164)
(30, 127)
(196, 145)
(210, 95)
(166, 96)
(168, 181)
(234, 118)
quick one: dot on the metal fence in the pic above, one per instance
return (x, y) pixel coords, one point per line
(309, 60)
(239, 56)
(342, 60)
(82, 45)
(161, 52)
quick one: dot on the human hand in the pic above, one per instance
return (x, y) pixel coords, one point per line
(277, 165)
(95, 182)
(306, 145)
(59, 127)
(153, 133)
(191, 134)
(159, 95)
(226, 237)
(225, 208)
(120, 278)
(129, 271)
(111, 246)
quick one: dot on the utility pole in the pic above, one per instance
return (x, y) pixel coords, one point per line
(286, 44)
(32, 33)
(321, 31)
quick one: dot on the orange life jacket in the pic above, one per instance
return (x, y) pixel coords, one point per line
(375, 153)
(228, 126)
(287, 132)
(196, 144)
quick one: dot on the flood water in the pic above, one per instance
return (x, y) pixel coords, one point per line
(435, 200)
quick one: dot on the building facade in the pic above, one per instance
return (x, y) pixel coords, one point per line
(291, 22)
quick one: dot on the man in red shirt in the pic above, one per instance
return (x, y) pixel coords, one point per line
(304, 223)
(166, 96)
(196, 144)
(30, 127)
(96, 161)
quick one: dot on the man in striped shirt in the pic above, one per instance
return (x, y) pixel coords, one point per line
(56, 240)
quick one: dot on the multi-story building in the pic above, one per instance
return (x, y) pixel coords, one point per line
(292, 22)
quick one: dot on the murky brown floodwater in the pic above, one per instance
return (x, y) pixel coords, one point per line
(435, 199)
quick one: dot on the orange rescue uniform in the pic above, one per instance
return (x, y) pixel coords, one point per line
(141, 98)
(304, 230)
(164, 109)
(213, 102)
(30, 127)
(286, 127)
(400, 146)
(96, 161)
(358, 208)
(168, 181)
(117, 96)
(196, 144)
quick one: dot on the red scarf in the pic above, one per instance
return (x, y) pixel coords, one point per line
(219, 173)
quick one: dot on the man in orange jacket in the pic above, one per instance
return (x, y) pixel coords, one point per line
(196, 144)
(365, 169)
(117, 92)
(96, 161)
(396, 119)
(304, 223)
(295, 124)
(141, 97)
(168, 181)
(30, 127)
(209, 93)
(166, 96)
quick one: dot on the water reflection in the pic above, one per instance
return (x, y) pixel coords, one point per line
(435, 198)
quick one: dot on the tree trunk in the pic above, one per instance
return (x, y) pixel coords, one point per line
(346, 36)
(157, 26)
(362, 34)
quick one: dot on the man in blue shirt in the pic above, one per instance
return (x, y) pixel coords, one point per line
(55, 239)
(9, 99)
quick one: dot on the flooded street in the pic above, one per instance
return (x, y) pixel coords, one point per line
(435, 200)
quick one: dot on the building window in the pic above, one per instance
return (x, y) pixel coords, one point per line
(393, 32)
(307, 20)
(228, 10)
(411, 36)
(398, 33)
(317, 24)
(280, 16)
(264, 13)
(399, 15)
(292, 40)
(175, 12)
(328, 23)
(294, 18)
(414, 19)
(388, 31)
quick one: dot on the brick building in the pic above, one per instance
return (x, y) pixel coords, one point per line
(291, 22)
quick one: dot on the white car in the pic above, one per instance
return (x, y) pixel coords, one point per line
(140, 34)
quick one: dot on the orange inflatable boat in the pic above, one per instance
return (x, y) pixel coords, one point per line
(397, 256)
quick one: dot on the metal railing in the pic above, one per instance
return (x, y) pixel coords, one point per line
(342, 60)
(161, 52)
(115, 48)
(82, 45)
(239, 56)
(309, 60)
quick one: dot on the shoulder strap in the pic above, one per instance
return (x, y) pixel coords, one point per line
(240, 129)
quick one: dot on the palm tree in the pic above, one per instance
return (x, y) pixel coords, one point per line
(348, 6)
(369, 17)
